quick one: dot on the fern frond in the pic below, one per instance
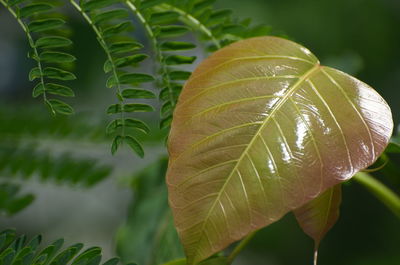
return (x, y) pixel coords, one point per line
(18, 250)
(121, 52)
(27, 161)
(41, 26)
(163, 28)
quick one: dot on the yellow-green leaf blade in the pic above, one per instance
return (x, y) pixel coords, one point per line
(259, 130)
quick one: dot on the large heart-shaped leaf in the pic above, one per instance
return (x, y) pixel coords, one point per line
(260, 129)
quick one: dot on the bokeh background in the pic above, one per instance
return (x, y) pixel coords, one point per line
(361, 37)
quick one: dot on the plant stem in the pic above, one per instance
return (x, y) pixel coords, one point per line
(240, 247)
(383, 193)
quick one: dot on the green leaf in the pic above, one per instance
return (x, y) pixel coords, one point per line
(319, 215)
(166, 122)
(179, 59)
(125, 46)
(137, 93)
(135, 78)
(130, 60)
(135, 145)
(128, 123)
(98, 4)
(45, 24)
(58, 74)
(172, 31)
(54, 89)
(132, 107)
(110, 15)
(52, 42)
(179, 75)
(116, 144)
(167, 17)
(59, 90)
(219, 17)
(32, 9)
(34, 73)
(114, 30)
(266, 129)
(56, 57)
(393, 147)
(177, 46)
(137, 107)
(60, 106)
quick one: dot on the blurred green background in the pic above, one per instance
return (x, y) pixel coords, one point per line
(361, 37)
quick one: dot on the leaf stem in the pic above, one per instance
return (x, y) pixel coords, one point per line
(240, 247)
(379, 190)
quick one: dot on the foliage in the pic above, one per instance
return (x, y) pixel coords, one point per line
(301, 129)
(18, 250)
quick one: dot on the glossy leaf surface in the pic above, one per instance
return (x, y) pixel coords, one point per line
(318, 216)
(260, 129)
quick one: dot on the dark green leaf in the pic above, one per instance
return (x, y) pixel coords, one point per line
(135, 145)
(137, 107)
(137, 93)
(165, 122)
(128, 122)
(135, 78)
(56, 57)
(167, 17)
(31, 9)
(60, 106)
(60, 90)
(56, 73)
(179, 59)
(130, 60)
(179, 75)
(125, 46)
(52, 42)
(172, 31)
(116, 144)
(97, 4)
(109, 15)
(177, 45)
(45, 24)
(114, 30)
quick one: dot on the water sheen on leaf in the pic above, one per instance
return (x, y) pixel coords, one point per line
(260, 129)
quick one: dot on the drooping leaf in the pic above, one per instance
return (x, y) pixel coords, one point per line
(267, 129)
(318, 216)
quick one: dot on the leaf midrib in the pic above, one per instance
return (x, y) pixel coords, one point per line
(274, 110)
